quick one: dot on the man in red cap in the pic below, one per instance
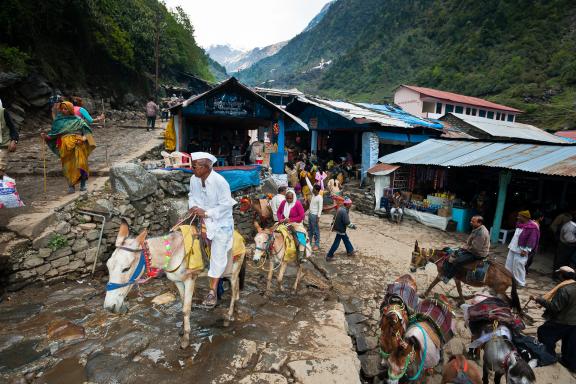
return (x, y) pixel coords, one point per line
(341, 223)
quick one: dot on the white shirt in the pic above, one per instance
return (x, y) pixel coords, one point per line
(316, 205)
(216, 199)
(275, 203)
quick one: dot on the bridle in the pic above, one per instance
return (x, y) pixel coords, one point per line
(398, 311)
(268, 250)
(143, 263)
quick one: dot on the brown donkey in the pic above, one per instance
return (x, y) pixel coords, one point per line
(498, 278)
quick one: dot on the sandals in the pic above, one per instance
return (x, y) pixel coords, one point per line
(210, 300)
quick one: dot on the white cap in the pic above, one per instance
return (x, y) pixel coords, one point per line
(565, 269)
(203, 155)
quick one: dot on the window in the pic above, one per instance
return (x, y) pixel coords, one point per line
(503, 117)
(459, 109)
(482, 113)
(449, 108)
(427, 107)
(510, 117)
(468, 110)
(490, 115)
(438, 108)
(474, 110)
(497, 115)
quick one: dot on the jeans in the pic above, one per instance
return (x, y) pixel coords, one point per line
(462, 257)
(336, 244)
(313, 230)
(550, 333)
(151, 121)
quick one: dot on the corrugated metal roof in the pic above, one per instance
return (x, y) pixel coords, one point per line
(370, 113)
(557, 160)
(234, 82)
(278, 91)
(382, 169)
(509, 130)
(568, 135)
(460, 98)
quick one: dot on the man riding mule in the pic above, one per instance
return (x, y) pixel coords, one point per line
(495, 275)
(476, 248)
(133, 259)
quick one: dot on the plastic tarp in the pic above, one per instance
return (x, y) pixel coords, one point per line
(238, 177)
(429, 219)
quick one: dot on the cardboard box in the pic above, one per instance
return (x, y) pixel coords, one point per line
(445, 212)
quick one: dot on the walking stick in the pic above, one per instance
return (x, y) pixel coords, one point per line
(44, 160)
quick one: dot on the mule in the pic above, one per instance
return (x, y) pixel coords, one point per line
(133, 257)
(262, 213)
(270, 245)
(394, 320)
(498, 278)
(501, 357)
(460, 370)
(419, 355)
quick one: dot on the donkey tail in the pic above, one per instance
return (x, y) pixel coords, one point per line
(515, 299)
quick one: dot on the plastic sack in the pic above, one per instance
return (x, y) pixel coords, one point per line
(9, 197)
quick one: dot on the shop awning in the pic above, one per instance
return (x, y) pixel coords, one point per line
(558, 160)
(382, 169)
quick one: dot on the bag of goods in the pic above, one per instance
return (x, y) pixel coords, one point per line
(9, 197)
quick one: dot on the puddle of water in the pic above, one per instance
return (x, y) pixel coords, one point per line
(20, 354)
(68, 371)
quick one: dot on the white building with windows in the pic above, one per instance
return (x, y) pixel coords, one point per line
(432, 103)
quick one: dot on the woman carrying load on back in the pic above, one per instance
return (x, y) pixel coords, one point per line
(70, 138)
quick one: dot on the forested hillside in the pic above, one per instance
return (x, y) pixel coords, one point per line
(104, 43)
(517, 52)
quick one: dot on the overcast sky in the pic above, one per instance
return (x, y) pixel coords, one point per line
(248, 23)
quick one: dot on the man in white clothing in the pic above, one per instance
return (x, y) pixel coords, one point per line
(276, 201)
(210, 199)
(316, 205)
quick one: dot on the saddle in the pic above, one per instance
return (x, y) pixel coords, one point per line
(474, 271)
(197, 247)
(290, 242)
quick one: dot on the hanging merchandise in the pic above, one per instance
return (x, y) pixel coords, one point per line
(276, 129)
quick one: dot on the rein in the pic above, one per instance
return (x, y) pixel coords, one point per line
(269, 250)
(410, 358)
(144, 264)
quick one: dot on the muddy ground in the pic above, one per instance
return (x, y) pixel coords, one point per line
(61, 334)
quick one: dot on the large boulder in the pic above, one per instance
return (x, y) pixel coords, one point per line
(35, 91)
(133, 180)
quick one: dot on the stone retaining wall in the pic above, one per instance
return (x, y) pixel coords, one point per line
(152, 200)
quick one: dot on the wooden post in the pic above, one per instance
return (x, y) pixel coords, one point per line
(505, 177)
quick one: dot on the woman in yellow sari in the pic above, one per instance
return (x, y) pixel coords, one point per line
(71, 140)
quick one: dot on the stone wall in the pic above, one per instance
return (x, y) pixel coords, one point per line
(363, 199)
(153, 200)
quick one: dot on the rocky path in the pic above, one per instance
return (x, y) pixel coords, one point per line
(385, 250)
(325, 333)
(114, 144)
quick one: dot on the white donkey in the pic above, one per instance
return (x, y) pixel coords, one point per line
(132, 257)
(270, 244)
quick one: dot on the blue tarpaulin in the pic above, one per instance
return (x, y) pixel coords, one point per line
(238, 177)
(403, 115)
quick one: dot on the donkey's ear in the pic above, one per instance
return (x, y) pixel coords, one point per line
(416, 247)
(141, 237)
(122, 233)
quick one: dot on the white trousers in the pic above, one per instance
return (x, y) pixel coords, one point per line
(219, 250)
(394, 210)
(516, 264)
